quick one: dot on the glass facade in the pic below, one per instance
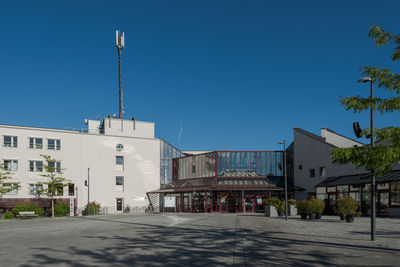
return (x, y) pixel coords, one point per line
(229, 164)
(167, 153)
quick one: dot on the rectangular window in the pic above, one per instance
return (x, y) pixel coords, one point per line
(312, 173)
(35, 189)
(53, 144)
(60, 190)
(10, 141)
(119, 180)
(395, 194)
(11, 189)
(54, 166)
(35, 142)
(35, 166)
(119, 161)
(322, 171)
(71, 190)
(11, 165)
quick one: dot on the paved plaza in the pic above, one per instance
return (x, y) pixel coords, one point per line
(197, 240)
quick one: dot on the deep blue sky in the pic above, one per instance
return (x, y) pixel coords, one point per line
(224, 75)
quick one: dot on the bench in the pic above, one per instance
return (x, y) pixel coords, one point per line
(27, 214)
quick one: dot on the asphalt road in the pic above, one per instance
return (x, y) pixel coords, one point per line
(197, 240)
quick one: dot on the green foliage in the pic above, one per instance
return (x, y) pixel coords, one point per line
(303, 207)
(347, 205)
(317, 205)
(28, 206)
(291, 201)
(9, 215)
(55, 182)
(386, 153)
(61, 209)
(94, 208)
(275, 202)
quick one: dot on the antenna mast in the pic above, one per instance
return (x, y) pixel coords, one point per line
(120, 43)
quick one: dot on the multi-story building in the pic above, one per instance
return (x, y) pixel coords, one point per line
(121, 159)
(312, 162)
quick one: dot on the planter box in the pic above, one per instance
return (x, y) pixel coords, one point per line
(292, 210)
(270, 211)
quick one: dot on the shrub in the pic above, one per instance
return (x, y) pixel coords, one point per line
(8, 215)
(291, 201)
(303, 207)
(275, 202)
(317, 205)
(94, 208)
(61, 209)
(346, 206)
(28, 206)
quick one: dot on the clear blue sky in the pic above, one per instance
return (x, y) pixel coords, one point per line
(222, 75)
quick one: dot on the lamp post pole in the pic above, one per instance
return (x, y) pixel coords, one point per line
(285, 173)
(373, 181)
(373, 184)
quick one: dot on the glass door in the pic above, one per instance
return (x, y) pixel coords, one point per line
(383, 203)
(119, 204)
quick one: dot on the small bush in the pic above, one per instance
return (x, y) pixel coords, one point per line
(303, 207)
(61, 209)
(94, 208)
(28, 206)
(346, 206)
(9, 215)
(317, 205)
(291, 201)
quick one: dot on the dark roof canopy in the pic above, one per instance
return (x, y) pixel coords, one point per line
(356, 179)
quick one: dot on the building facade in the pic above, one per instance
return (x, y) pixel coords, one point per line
(121, 158)
(312, 161)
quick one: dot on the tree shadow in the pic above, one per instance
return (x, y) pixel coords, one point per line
(196, 245)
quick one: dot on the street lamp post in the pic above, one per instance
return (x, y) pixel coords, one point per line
(373, 183)
(285, 171)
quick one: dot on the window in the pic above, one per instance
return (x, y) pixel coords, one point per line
(322, 171)
(312, 173)
(71, 190)
(11, 189)
(395, 194)
(194, 168)
(343, 191)
(11, 165)
(119, 180)
(35, 189)
(54, 166)
(35, 166)
(35, 142)
(60, 189)
(10, 141)
(119, 147)
(54, 144)
(119, 161)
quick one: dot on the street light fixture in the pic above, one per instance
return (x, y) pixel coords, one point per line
(373, 182)
(284, 162)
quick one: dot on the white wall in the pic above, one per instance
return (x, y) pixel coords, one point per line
(338, 140)
(96, 151)
(312, 153)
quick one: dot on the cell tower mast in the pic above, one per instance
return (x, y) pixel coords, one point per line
(120, 43)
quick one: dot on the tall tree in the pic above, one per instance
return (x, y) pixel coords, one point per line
(6, 186)
(386, 152)
(55, 182)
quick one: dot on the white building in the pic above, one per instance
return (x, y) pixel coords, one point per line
(312, 160)
(122, 158)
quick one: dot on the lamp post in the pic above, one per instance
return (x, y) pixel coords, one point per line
(285, 171)
(373, 184)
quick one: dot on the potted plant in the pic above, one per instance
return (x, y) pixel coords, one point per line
(342, 216)
(317, 207)
(303, 208)
(272, 203)
(292, 207)
(348, 207)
